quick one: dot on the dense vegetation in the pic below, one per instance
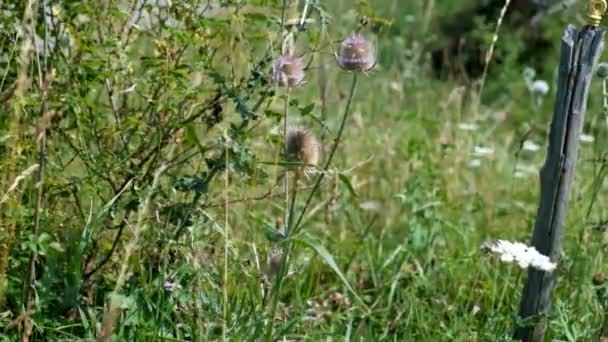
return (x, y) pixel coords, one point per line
(143, 170)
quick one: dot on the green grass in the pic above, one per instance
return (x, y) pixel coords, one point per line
(403, 224)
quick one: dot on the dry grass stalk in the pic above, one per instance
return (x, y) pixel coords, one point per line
(23, 175)
(490, 52)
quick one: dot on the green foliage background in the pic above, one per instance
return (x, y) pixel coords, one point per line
(400, 218)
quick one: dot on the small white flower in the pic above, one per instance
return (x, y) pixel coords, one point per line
(482, 151)
(526, 169)
(530, 146)
(475, 163)
(519, 174)
(468, 126)
(475, 310)
(525, 256)
(370, 205)
(540, 87)
(396, 86)
(586, 138)
(171, 285)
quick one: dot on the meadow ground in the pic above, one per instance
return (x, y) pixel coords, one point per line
(390, 249)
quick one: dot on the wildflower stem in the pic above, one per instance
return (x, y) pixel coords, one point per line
(226, 241)
(288, 249)
(293, 199)
(285, 149)
(331, 155)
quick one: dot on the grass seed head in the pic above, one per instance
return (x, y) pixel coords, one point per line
(356, 53)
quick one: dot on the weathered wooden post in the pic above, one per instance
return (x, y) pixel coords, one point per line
(579, 54)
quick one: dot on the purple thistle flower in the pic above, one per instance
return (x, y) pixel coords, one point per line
(356, 54)
(288, 71)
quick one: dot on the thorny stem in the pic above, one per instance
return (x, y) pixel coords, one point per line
(331, 154)
(285, 150)
(293, 200)
(288, 249)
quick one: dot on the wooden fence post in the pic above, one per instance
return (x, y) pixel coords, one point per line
(579, 55)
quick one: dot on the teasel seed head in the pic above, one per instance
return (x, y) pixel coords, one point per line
(356, 54)
(288, 71)
(302, 146)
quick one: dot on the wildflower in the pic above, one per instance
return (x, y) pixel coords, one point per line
(482, 151)
(468, 126)
(356, 54)
(520, 253)
(519, 174)
(370, 205)
(288, 71)
(171, 285)
(540, 87)
(522, 170)
(475, 310)
(302, 146)
(530, 146)
(474, 163)
(586, 138)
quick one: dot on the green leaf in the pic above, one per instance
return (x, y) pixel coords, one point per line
(349, 185)
(304, 111)
(271, 233)
(329, 260)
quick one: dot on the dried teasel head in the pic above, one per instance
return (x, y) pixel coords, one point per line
(288, 71)
(302, 146)
(356, 53)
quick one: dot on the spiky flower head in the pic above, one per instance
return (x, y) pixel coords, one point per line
(356, 53)
(288, 71)
(302, 146)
